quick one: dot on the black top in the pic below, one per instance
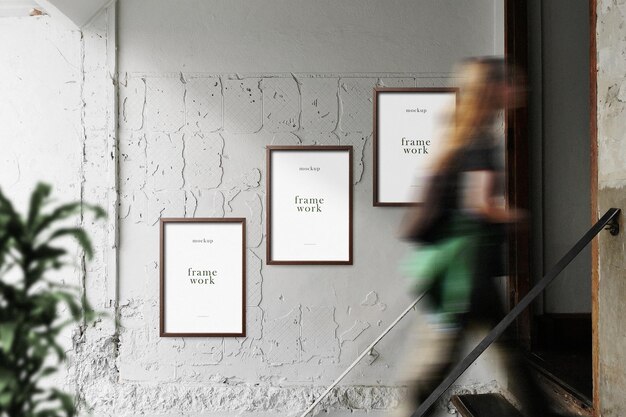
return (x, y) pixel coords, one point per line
(443, 193)
(443, 197)
(485, 300)
(443, 201)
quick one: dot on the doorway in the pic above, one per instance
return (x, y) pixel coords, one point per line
(550, 167)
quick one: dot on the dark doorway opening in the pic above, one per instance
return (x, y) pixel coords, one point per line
(550, 166)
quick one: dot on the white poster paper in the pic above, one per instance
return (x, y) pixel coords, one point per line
(202, 280)
(309, 212)
(408, 136)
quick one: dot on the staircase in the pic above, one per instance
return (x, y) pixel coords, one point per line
(484, 405)
(496, 405)
(564, 400)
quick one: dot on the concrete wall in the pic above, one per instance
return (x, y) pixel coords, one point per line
(612, 193)
(203, 88)
(244, 36)
(40, 110)
(57, 125)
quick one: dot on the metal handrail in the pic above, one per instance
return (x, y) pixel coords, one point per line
(362, 355)
(609, 218)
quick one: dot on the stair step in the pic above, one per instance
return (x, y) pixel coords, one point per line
(484, 405)
(565, 399)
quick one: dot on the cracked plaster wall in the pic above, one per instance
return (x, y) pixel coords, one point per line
(192, 145)
(57, 124)
(611, 99)
(196, 108)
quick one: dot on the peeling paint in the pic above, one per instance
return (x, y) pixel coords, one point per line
(320, 107)
(396, 82)
(193, 144)
(248, 347)
(243, 106)
(202, 161)
(319, 333)
(354, 332)
(281, 104)
(359, 143)
(165, 110)
(283, 338)
(165, 162)
(254, 285)
(319, 139)
(212, 164)
(286, 139)
(370, 299)
(203, 104)
(210, 203)
(132, 94)
(356, 104)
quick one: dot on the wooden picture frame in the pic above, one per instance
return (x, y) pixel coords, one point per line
(309, 205)
(208, 256)
(405, 138)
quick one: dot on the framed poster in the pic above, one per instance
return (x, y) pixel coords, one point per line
(309, 205)
(407, 125)
(203, 269)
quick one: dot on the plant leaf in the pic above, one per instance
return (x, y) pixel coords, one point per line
(29, 314)
(5, 399)
(6, 378)
(49, 370)
(79, 234)
(60, 213)
(98, 211)
(72, 304)
(7, 336)
(37, 200)
(67, 401)
(6, 206)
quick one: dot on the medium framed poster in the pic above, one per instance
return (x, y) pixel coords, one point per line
(407, 125)
(309, 205)
(203, 269)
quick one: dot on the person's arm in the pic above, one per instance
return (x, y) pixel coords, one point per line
(477, 197)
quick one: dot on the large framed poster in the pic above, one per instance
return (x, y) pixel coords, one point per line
(309, 205)
(406, 128)
(203, 269)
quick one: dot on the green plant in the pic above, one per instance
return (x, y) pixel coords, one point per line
(30, 303)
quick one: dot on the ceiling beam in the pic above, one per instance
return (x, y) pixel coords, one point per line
(75, 12)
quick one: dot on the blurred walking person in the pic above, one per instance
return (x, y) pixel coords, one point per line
(460, 231)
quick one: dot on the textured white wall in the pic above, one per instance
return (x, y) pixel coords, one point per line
(611, 41)
(244, 36)
(40, 109)
(203, 88)
(56, 119)
(57, 125)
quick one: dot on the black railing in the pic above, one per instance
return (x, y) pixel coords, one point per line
(609, 218)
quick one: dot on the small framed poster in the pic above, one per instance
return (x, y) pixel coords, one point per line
(309, 205)
(406, 137)
(203, 269)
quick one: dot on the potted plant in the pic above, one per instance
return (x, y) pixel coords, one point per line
(31, 247)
